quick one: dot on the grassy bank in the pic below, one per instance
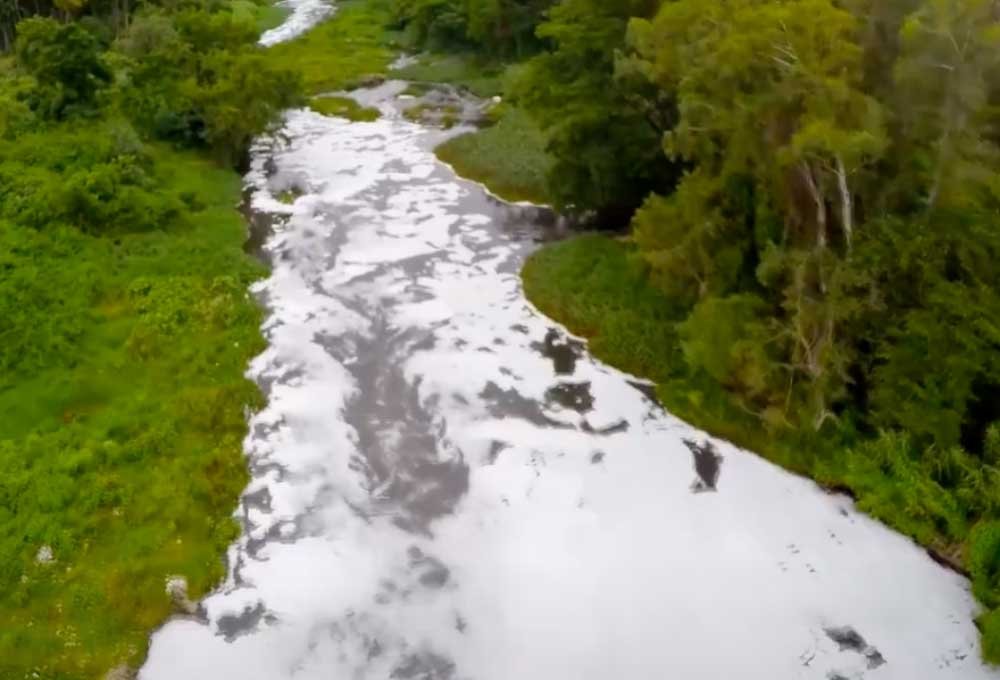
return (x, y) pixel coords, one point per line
(344, 107)
(121, 421)
(265, 14)
(128, 328)
(599, 289)
(341, 52)
(508, 157)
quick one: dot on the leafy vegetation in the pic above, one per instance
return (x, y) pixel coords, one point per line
(555, 60)
(508, 157)
(127, 325)
(265, 14)
(344, 107)
(121, 420)
(498, 29)
(604, 130)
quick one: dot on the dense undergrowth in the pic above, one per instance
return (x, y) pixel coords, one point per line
(508, 157)
(125, 322)
(122, 407)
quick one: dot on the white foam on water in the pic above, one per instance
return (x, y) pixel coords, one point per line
(423, 506)
(304, 15)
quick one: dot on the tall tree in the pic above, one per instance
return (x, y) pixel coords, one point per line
(606, 145)
(950, 48)
(769, 95)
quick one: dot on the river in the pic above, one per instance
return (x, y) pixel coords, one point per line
(445, 485)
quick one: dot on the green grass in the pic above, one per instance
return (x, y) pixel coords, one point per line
(344, 107)
(482, 78)
(508, 157)
(340, 52)
(593, 284)
(123, 451)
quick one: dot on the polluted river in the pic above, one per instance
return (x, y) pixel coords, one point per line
(447, 486)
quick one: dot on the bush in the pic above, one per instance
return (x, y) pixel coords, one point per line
(727, 339)
(65, 60)
(984, 562)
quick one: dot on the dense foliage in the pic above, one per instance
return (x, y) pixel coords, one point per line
(509, 157)
(126, 326)
(498, 27)
(826, 249)
(602, 129)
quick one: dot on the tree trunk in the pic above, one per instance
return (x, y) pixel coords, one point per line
(820, 201)
(846, 203)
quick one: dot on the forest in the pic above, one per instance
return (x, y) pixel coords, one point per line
(801, 204)
(791, 207)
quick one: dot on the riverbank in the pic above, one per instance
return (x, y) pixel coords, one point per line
(121, 422)
(127, 329)
(508, 157)
(341, 52)
(123, 399)
(600, 290)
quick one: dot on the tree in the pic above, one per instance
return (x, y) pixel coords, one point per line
(65, 61)
(606, 145)
(950, 48)
(197, 79)
(769, 96)
(236, 98)
(506, 27)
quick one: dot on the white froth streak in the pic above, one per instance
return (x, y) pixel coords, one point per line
(304, 15)
(564, 565)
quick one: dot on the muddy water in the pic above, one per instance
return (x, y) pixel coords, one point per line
(446, 486)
